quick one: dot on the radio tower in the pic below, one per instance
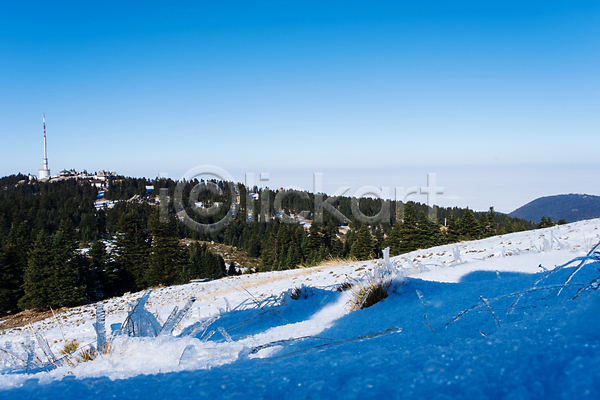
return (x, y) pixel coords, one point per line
(45, 172)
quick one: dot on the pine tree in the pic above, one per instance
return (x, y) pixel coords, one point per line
(426, 235)
(337, 248)
(132, 251)
(315, 242)
(167, 256)
(196, 268)
(490, 228)
(203, 264)
(408, 230)
(10, 280)
(232, 271)
(95, 276)
(284, 240)
(393, 239)
(37, 276)
(362, 248)
(216, 266)
(469, 227)
(328, 236)
(270, 249)
(423, 234)
(293, 257)
(66, 287)
(378, 243)
(13, 260)
(453, 232)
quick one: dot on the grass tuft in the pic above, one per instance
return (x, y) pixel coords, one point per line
(70, 347)
(88, 354)
(107, 347)
(300, 292)
(374, 286)
(342, 287)
(368, 292)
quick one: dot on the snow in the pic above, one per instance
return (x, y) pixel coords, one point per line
(454, 328)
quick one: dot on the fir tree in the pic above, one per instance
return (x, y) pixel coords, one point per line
(315, 242)
(203, 264)
(293, 257)
(232, 271)
(327, 236)
(469, 227)
(216, 266)
(378, 243)
(337, 248)
(66, 287)
(393, 239)
(489, 228)
(408, 230)
(10, 280)
(426, 234)
(195, 268)
(37, 276)
(282, 258)
(270, 249)
(95, 276)
(132, 251)
(362, 248)
(167, 256)
(545, 223)
(453, 232)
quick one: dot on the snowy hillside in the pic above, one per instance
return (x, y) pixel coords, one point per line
(492, 318)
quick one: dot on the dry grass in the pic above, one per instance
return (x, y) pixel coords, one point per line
(90, 352)
(301, 292)
(70, 347)
(344, 286)
(368, 292)
(87, 354)
(332, 262)
(107, 347)
(26, 317)
(375, 286)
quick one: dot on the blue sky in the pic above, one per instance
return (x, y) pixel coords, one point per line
(500, 100)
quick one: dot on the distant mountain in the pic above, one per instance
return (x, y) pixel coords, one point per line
(571, 207)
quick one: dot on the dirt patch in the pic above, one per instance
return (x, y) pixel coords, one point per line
(26, 317)
(230, 254)
(240, 283)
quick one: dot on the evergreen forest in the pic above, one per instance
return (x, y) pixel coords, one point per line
(58, 249)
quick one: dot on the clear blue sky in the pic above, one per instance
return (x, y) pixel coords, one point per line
(501, 100)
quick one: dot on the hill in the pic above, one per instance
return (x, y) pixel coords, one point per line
(571, 207)
(494, 318)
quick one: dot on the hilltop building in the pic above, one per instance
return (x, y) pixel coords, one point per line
(99, 179)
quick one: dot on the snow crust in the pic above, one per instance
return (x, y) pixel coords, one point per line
(452, 329)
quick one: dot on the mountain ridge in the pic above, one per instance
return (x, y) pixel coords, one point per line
(572, 207)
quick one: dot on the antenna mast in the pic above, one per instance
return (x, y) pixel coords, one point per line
(45, 172)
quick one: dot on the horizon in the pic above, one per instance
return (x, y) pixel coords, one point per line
(500, 101)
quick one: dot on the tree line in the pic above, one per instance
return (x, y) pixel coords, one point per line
(57, 249)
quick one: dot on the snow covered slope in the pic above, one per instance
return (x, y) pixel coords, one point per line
(483, 319)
